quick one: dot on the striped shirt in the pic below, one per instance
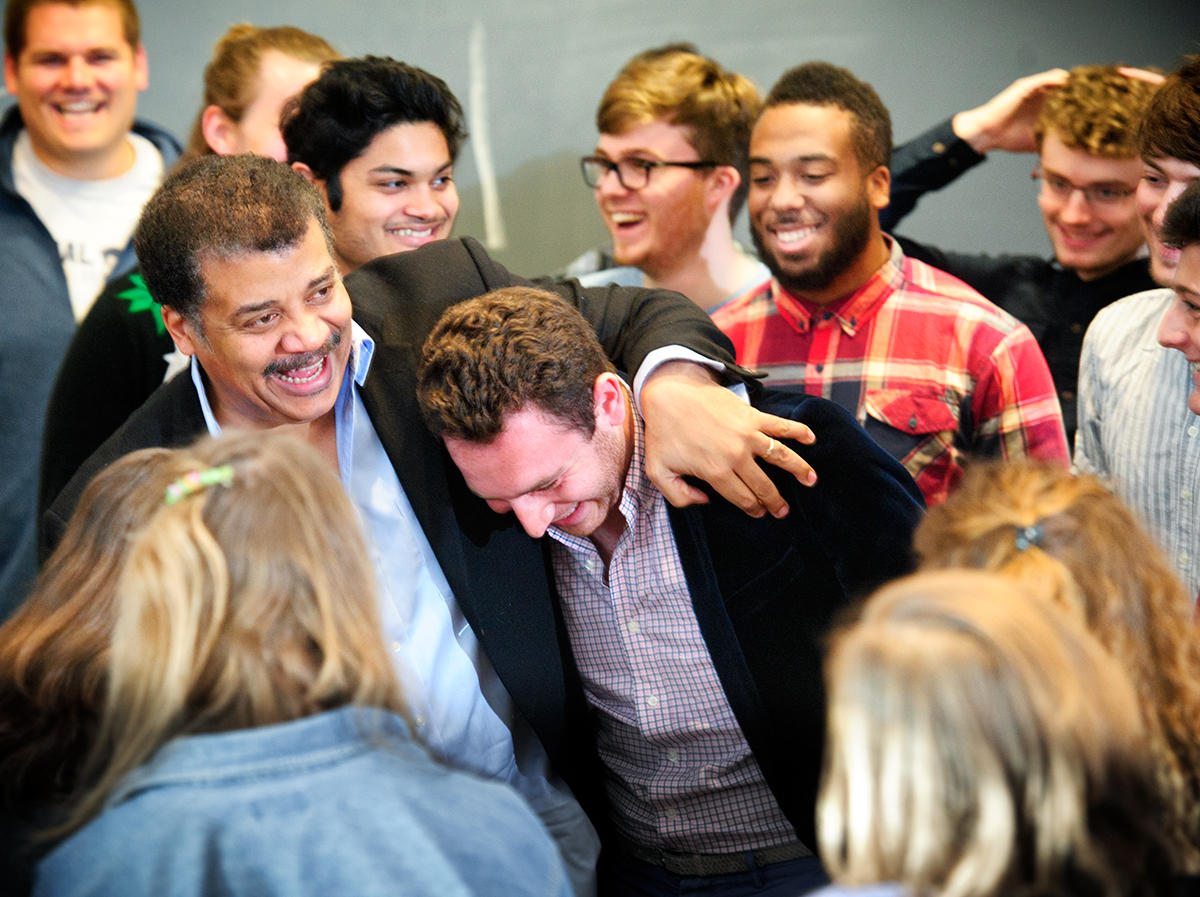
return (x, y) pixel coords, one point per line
(680, 773)
(933, 371)
(1135, 428)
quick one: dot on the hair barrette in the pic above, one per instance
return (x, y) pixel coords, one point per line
(197, 480)
(1030, 535)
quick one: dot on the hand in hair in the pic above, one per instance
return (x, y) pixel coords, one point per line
(1006, 121)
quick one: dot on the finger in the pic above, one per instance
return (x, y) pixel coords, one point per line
(1130, 71)
(681, 493)
(786, 459)
(763, 495)
(782, 428)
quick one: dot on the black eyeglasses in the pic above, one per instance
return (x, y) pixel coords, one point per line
(634, 174)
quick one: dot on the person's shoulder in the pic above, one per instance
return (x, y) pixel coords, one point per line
(164, 141)
(940, 291)
(1127, 321)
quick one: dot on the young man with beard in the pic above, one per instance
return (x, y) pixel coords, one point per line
(1081, 124)
(238, 250)
(669, 174)
(75, 168)
(1137, 428)
(697, 633)
(935, 372)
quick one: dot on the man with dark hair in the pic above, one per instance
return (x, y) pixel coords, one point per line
(379, 139)
(238, 251)
(706, 714)
(670, 177)
(935, 372)
(1136, 426)
(1082, 125)
(75, 168)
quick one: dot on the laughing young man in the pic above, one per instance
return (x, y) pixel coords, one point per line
(935, 372)
(669, 175)
(1082, 125)
(1137, 426)
(75, 169)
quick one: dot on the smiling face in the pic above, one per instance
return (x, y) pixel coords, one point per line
(812, 209)
(661, 227)
(274, 340)
(1091, 238)
(76, 83)
(550, 473)
(397, 196)
(1180, 327)
(1162, 182)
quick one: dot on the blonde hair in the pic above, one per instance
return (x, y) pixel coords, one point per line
(231, 78)
(54, 649)
(1097, 111)
(980, 742)
(240, 605)
(1094, 559)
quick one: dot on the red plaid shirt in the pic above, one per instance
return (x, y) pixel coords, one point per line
(932, 370)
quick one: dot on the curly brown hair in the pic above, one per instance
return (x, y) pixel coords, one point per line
(1089, 552)
(1097, 111)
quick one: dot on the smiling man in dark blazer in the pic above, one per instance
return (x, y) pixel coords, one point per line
(238, 251)
(697, 633)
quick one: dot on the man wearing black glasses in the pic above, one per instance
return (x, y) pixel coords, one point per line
(669, 173)
(1081, 124)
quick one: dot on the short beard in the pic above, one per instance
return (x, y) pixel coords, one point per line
(851, 236)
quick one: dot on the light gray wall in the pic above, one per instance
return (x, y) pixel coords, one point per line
(546, 62)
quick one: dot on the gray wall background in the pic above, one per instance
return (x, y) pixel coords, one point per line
(545, 64)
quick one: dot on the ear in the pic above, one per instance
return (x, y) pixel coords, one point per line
(180, 330)
(722, 182)
(309, 175)
(609, 397)
(219, 131)
(10, 73)
(141, 68)
(879, 187)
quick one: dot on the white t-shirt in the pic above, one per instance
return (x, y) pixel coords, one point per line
(91, 221)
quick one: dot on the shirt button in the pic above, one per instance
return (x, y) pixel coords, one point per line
(912, 422)
(827, 316)
(939, 147)
(419, 721)
(652, 701)
(396, 647)
(673, 755)
(1185, 492)
(1068, 395)
(1193, 430)
(634, 627)
(590, 564)
(1077, 327)
(672, 813)
(820, 368)
(1184, 557)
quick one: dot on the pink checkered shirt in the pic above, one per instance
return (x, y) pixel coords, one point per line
(934, 371)
(681, 776)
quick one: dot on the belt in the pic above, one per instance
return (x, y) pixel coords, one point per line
(701, 865)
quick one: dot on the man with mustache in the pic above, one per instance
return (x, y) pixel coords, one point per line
(1137, 427)
(932, 370)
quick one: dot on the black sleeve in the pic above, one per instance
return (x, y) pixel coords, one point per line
(114, 362)
(925, 163)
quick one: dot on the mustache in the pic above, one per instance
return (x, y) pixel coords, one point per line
(307, 360)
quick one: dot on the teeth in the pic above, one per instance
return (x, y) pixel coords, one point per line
(574, 508)
(625, 217)
(410, 232)
(795, 235)
(1195, 366)
(309, 379)
(79, 106)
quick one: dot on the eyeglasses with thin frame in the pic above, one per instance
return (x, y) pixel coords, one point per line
(633, 173)
(1094, 194)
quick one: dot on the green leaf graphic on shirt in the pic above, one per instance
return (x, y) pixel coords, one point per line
(139, 299)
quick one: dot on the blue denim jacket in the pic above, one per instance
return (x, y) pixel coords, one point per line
(343, 803)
